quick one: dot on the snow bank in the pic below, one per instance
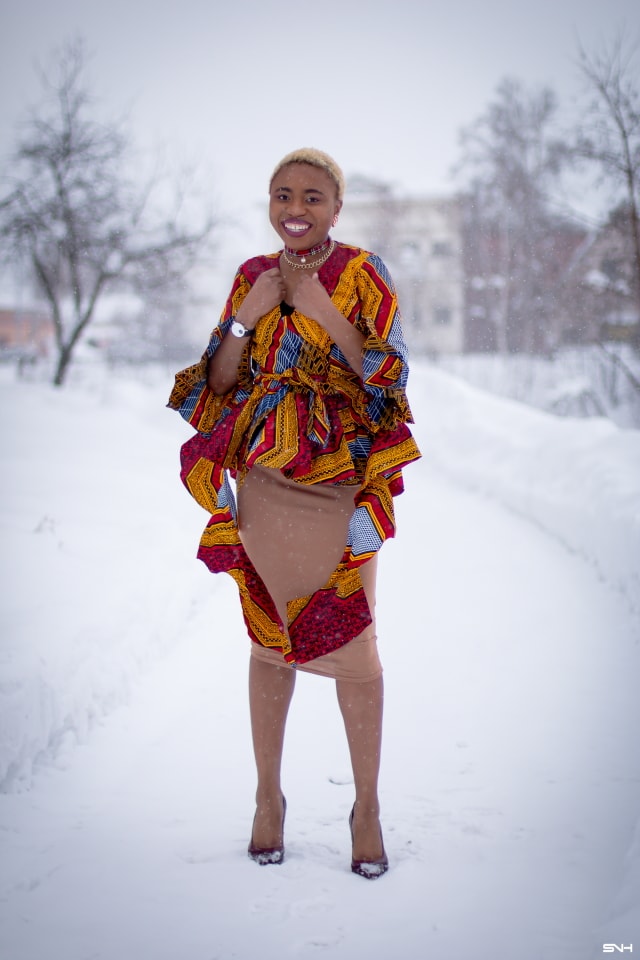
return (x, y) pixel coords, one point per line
(623, 924)
(90, 510)
(578, 479)
(95, 524)
(101, 581)
(583, 381)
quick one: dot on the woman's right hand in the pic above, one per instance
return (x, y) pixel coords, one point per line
(265, 294)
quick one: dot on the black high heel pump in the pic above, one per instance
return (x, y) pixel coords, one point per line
(369, 869)
(268, 855)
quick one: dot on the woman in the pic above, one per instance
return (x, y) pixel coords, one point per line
(300, 398)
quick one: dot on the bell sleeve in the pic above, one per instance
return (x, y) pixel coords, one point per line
(385, 356)
(191, 396)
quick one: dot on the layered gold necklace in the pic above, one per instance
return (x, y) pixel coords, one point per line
(301, 262)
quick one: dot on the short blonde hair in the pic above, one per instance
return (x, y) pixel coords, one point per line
(315, 158)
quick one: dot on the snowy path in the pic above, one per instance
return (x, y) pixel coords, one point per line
(510, 781)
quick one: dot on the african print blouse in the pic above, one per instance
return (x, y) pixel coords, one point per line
(299, 407)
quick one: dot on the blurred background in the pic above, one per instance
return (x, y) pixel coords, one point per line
(492, 155)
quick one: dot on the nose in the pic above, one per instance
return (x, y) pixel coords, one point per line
(296, 206)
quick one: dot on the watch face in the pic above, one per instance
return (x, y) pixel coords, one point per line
(238, 330)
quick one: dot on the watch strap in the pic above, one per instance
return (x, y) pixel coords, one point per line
(239, 330)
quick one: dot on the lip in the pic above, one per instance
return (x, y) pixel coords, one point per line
(295, 228)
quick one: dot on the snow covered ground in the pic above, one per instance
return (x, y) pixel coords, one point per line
(509, 626)
(583, 381)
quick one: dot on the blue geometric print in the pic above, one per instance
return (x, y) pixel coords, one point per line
(188, 406)
(376, 403)
(360, 448)
(363, 536)
(288, 351)
(380, 267)
(226, 497)
(396, 338)
(336, 354)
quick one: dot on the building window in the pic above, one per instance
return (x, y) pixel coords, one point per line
(410, 258)
(611, 269)
(442, 316)
(441, 248)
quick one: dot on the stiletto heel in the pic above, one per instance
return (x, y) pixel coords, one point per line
(369, 869)
(268, 855)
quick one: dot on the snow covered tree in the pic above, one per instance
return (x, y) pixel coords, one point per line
(609, 135)
(513, 162)
(78, 221)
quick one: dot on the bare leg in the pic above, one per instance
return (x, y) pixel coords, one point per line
(362, 706)
(270, 692)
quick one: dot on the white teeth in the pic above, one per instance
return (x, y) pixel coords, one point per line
(296, 226)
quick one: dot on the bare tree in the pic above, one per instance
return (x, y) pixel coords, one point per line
(74, 216)
(513, 162)
(609, 134)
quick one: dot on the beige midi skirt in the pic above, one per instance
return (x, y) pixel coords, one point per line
(295, 536)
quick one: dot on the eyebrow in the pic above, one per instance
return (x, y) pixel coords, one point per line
(306, 190)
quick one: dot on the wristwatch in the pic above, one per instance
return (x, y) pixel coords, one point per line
(239, 330)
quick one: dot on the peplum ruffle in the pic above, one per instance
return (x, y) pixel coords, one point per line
(299, 408)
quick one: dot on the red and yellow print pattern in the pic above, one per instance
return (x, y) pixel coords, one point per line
(300, 408)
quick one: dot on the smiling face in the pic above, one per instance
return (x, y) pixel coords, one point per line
(303, 200)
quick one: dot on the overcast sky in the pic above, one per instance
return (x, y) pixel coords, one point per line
(383, 86)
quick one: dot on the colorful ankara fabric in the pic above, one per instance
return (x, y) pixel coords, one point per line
(299, 407)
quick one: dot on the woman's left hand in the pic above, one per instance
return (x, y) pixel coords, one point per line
(310, 298)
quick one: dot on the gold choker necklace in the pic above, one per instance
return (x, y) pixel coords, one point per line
(309, 266)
